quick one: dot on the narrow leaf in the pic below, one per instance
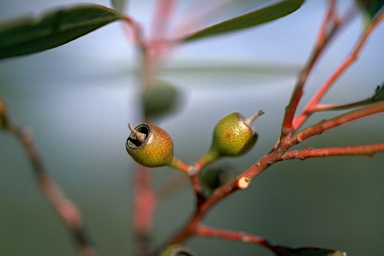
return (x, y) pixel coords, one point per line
(371, 8)
(119, 5)
(247, 20)
(285, 251)
(379, 93)
(29, 35)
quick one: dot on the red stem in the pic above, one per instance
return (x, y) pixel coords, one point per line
(300, 119)
(67, 210)
(144, 202)
(339, 120)
(322, 40)
(144, 197)
(302, 154)
(194, 225)
(160, 24)
(232, 235)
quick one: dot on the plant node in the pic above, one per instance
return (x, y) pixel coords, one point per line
(244, 182)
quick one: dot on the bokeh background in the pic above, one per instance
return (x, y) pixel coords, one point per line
(76, 100)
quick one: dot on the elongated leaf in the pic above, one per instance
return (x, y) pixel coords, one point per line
(379, 93)
(29, 35)
(119, 5)
(371, 8)
(285, 251)
(247, 20)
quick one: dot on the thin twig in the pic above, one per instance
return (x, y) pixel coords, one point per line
(360, 150)
(330, 107)
(322, 41)
(243, 237)
(164, 10)
(144, 203)
(262, 164)
(336, 121)
(66, 209)
(308, 110)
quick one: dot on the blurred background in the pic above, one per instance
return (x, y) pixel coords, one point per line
(77, 99)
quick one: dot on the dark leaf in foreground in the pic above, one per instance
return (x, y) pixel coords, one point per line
(31, 35)
(371, 8)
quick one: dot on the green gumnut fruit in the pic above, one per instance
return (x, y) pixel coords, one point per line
(216, 176)
(233, 135)
(158, 99)
(177, 250)
(150, 146)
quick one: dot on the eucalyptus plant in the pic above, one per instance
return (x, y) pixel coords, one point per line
(233, 136)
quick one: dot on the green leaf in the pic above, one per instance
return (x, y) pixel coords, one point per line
(119, 5)
(370, 8)
(30, 35)
(286, 251)
(379, 93)
(247, 20)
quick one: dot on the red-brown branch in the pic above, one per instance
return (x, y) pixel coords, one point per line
(232, 235)
(256, 169)
(164, 10)
(322, 41)
(67, 210)
(339, 120)
(361, 150)
(308, 110)
(143, 209)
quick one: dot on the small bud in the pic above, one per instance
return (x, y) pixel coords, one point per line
(150, 146)
(216, 176)
(177, 250)
(159, 99)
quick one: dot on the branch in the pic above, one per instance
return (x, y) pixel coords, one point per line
(308, 110)
(144, 196)
(66, 210)
(361, 150)
(218, 194)
(264, 162)
(144, 203)
(330, 107)
(232, 235)
(164, 10)
(339, 120)
(253, 239)
(322, 41)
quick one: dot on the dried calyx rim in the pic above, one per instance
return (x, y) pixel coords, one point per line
(137, 139)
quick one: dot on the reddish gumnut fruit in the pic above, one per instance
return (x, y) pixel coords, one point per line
(232, 136)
